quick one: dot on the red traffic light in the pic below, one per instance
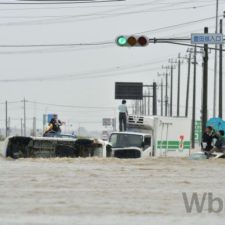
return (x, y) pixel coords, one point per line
(142, 41)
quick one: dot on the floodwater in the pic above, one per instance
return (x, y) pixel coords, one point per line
(96, 191)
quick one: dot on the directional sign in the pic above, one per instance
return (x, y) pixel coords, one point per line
(128, 90)
(198, 131)
(207, 38)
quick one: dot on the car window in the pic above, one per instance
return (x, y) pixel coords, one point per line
(147, 142)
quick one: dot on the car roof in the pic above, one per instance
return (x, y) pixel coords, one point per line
(132, 133)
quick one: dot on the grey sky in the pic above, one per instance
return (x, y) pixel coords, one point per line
(88, 23)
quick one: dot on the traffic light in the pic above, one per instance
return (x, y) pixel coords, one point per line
(132, 41)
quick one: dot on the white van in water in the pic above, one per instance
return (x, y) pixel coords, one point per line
(152, 136)
(28, 147)
(130, 145)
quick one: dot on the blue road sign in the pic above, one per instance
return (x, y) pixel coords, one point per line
(207, 38)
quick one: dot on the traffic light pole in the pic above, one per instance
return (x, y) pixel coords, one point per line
(194, 101)
(221, 75)
(205, 85)
(178, 41)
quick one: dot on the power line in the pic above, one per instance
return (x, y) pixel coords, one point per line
(77, 77)
(178, 25)
(55, 45)
(113, 71)
(76, 7)
(62, 19)
(100, 43)
(58, 2)
(71, 106)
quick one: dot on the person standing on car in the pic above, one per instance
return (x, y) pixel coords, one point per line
(123, 113)
(55, 124)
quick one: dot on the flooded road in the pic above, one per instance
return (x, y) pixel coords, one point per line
(107, 191)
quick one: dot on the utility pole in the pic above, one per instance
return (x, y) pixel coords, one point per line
(24, 116)
(188, 84)
(21, 124)
(172, 67)
(171, 90)
(148, 113)
(194, 101)
(215, 62)
(178, 87)
(162, 99)
(221, 75)
(136, 107)
(6, 119)
(146, 104)
(9, 125)
(154, 101)
(166, 100)
(205, 85)
(34, 127)
(166, 96)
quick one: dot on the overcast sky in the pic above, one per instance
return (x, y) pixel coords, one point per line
(85, 75)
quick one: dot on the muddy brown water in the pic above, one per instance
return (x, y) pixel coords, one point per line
(96, 191)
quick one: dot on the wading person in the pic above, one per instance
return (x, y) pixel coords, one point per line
(220, 141)
(123, 112)
(207, 139)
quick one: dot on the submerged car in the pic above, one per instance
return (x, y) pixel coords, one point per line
(52, 133)
(205, 155)
(28, 147)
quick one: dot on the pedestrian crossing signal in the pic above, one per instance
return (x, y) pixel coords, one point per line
(132, 41)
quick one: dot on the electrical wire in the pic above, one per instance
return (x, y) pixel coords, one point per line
(103, 42)
(178, 25)
(55, 45)
(71, 106)
(109, 72)
(59, 2)
(62, 19)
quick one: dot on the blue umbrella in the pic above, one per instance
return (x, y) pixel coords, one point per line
(216, 123)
